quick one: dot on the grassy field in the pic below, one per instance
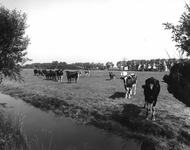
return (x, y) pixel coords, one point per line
(97, 101)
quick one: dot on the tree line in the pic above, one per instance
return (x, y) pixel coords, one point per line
(131, 65)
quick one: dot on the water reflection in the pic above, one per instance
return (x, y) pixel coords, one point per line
(147, 145)
(64, 133)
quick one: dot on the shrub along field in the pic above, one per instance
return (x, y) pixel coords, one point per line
(96, 100)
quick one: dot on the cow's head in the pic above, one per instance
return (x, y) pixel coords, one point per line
(128, 81)
(150, 83)
(123, 74)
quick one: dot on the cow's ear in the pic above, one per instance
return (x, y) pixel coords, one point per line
(143, 86)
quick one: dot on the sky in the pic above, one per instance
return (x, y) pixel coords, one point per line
(98, 30)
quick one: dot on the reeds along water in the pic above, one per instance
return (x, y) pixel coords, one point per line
(12, 131)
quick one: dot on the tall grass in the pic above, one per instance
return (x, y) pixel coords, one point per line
(40, 145)
(12, 136)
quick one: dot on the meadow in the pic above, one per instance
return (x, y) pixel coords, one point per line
(96, 100)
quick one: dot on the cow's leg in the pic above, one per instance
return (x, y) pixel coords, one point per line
(145, 103)
(130, 92)
(153, 113)
(61, 79)
(126, 92)
(147, 111)
(153, 109)
(135, 87)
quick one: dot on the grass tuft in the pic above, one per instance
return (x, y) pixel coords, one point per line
(12, 132)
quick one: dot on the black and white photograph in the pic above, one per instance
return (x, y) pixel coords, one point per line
(94, 75)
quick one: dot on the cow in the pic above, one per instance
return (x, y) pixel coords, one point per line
(130, 82)
(112, 76)
(87, 72)
(35, 72)
(59, 75)
(45, 72)
(71, 75)
(50, 75)
(151, 92)
(40, 73)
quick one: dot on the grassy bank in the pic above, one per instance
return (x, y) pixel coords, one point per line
(97, 101)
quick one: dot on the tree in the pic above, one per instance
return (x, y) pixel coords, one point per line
(54, 65)
(119, 65)
(86, 65)
(109, 65)
(181, 32)
(13, 42)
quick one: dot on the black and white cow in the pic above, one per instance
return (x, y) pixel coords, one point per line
(151, 92)
(59, 75)
(72, 75)
(112, 76)
(87, 72)
(130, 82)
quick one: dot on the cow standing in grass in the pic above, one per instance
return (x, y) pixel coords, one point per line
(130, 82)
(35, 72)
(151, 92)
(59, 75)
(40, 73)
(87, 72)
(72, 75)
(112, 76)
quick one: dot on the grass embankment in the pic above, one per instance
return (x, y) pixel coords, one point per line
(97, 101)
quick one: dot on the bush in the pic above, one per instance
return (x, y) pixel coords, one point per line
(179, 82)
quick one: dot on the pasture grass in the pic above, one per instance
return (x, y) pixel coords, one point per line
(98, 101)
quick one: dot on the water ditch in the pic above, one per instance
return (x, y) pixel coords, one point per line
(65, 133)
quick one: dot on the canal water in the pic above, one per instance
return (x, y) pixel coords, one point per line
(65, 133)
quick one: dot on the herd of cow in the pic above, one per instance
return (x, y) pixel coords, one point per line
(57, 75)
(151, 87)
